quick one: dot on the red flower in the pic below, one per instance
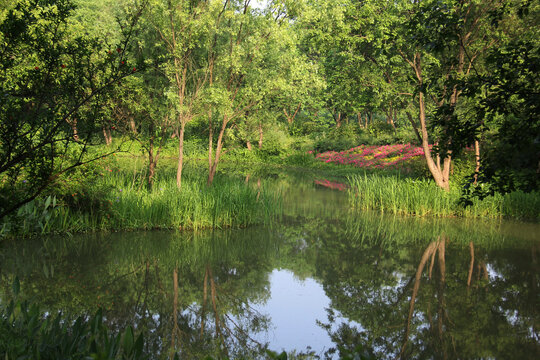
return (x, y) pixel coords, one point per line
(122, 63)
(63, 66)
(37, 68)
(119, 50)
(134, 69)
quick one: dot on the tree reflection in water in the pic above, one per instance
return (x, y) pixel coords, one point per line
(461, 301)
(400, 288)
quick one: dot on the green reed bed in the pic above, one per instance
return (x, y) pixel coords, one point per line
(421, 197)
(117, 201)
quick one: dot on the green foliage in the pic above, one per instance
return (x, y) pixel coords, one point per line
(339, 138)
(407, 196)
(27, 332)
(53, 83)
(116, 198)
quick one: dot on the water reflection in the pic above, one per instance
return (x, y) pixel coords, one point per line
(322, 281)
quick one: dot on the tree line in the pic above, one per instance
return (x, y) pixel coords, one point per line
(458, 74)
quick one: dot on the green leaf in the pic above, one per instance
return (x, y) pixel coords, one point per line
(128, 340)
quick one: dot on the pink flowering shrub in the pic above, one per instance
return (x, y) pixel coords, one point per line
(373, 157)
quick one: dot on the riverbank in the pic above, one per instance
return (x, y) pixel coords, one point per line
(113, 195)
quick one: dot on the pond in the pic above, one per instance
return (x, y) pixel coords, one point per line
(322, 281)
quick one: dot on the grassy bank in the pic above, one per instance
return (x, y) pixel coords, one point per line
(113, 195)
(421, 197)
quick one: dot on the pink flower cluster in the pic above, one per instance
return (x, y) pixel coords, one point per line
(332, 185)
(378, 157)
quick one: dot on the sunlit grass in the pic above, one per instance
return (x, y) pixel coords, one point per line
(422, 197)
(118, 198)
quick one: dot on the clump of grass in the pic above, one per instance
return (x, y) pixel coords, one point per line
(119, 200)
(422, 197)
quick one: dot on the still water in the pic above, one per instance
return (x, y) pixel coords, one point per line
(322, 281)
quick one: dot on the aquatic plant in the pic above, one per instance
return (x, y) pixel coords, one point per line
(421, 197)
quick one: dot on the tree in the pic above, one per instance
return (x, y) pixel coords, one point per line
(506, 106)
(243, 58)
(50, 78)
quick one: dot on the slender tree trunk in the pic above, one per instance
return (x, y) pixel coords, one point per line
(291, 116)
(338, 119)
(180, 153)
(210, 139)
(367, 119)
(151, 163)
(219, 147)
(427, 254)
(205, 297)
(73, 124)
(477, 159)
(415, 127)
(132, 126)
(176, 329)
(471, 265)
(248, 144)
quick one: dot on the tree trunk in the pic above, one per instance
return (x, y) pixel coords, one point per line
(73, 124)
(132, 126)
(219, 147)
(151, 162)
(338, 119)
(427, 254)
(477, 159)
(415, 127)
(471, 265)
(389, 117)
(107, 135)
(248, 144)
(367, 119)
(210, 139)
(180, 153)
(440, 175)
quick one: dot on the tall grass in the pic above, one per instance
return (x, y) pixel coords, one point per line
(119, 201)
(406, 196)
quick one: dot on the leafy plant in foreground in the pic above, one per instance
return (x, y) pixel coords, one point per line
(27, 333)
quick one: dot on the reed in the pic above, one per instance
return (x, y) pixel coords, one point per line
(118, 201)
(421, 197)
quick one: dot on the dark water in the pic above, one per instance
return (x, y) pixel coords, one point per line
(321, 281)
